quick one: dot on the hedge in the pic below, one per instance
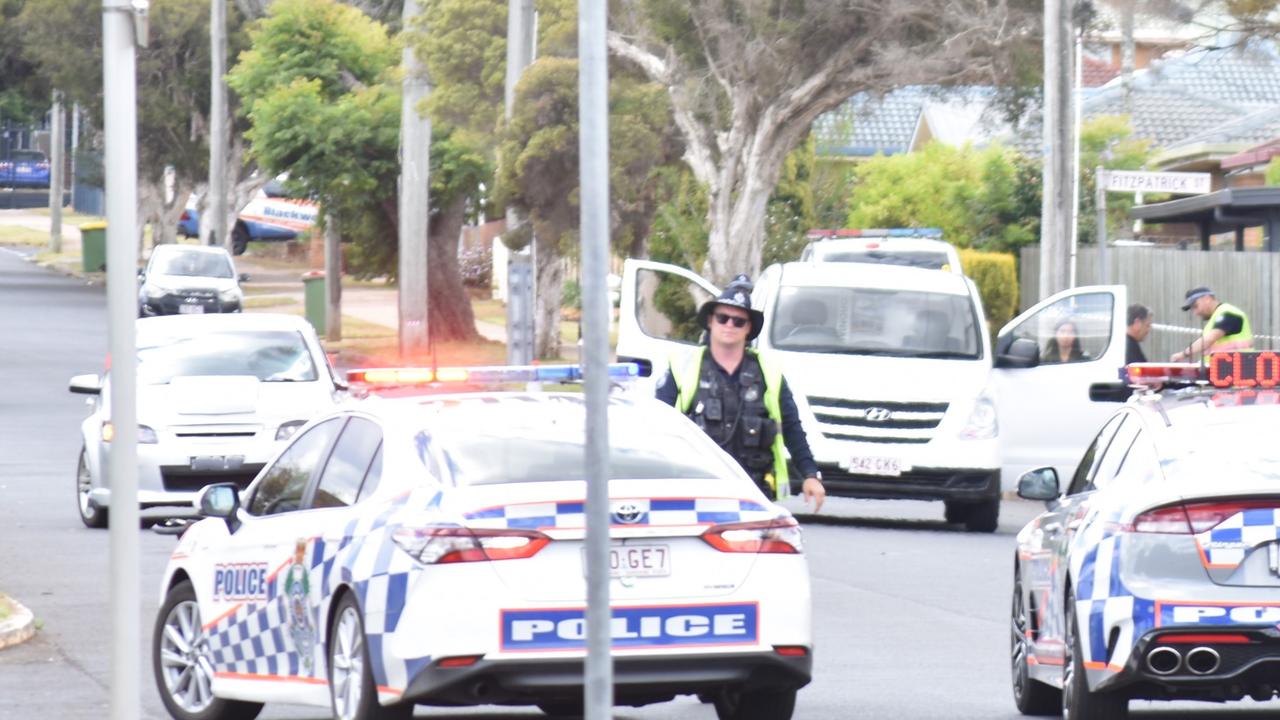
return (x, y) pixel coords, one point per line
(996, 275)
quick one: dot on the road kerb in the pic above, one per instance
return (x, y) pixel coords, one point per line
(19, 626)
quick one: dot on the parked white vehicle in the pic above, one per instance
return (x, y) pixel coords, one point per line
(909, 247)
(892, 369)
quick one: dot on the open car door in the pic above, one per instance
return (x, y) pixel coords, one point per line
(1046, 416)
(657, 314)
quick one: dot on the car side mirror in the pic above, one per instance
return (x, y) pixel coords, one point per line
(142, 274)
(1109, 392)
(1022, 353)
(86, 385)
(1039, 484)
(221, 500)
(243, 277)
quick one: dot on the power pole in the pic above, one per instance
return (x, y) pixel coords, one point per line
(217, 233)
(124, 22)
(332, 279)
(415, 157)
(521, 271)
(1058, 171)
(593, 171)
(57, 162)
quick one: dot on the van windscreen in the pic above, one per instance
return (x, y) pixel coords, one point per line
(866, 321)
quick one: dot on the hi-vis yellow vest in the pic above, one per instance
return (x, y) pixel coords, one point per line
(687, 370)
(1242, 340)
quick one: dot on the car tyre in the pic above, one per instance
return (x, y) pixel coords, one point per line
(352, 692)
(91, 515)
(1078, 701)
(983, 517)
(239, 239)
(181, 665)
(1031, 696)
(771, 704)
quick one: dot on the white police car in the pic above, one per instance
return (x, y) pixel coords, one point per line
(1155, 575)
(430, 550)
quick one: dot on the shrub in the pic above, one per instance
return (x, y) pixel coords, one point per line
(996, 275)
(475, 263)
(571, 295)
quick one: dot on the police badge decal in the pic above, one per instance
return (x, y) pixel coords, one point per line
(297, 591)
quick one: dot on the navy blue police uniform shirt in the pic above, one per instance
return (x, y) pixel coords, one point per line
(792, 432)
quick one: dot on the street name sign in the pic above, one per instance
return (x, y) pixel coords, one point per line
(1182, 183)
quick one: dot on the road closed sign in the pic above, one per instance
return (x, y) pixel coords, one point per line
(1180, 183)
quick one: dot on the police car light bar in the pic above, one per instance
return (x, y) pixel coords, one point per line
(875, 232)
(483, 375)
(1243, 369)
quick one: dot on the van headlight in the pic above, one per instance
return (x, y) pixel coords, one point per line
(982, 424)
(146, 435)
(229, 295)
(286, 431)
(156, 291)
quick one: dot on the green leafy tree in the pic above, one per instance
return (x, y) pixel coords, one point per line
(1272, 176)
(538, 171)
(23, 92)
(62, 41)
(974, 196)
(321, 91)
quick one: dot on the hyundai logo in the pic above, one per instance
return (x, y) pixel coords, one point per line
(627, 513)
(879, 414)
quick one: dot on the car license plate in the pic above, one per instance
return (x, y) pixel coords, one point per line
(190, 309)
(860, 465)
(638, 560)
(216, 463)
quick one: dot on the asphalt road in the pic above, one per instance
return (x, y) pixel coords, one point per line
(910, 613)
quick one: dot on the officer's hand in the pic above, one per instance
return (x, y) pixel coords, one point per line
(814, 491)
(1178, 356)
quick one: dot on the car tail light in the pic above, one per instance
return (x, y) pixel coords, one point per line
(791, 650)
(186, 215)
(439, 545)
(458, 661)
(1195, 518)
(779, 535)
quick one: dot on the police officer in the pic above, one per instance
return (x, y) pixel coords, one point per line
(1226, 326)
(739, 397)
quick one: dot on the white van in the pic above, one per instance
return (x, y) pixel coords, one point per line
(892, 369)
(909, 247)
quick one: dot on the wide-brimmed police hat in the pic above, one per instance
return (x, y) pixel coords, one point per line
(736, 294)
(1193, 295)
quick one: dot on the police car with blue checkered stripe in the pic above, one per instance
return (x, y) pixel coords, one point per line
(429, 550)
(1156, 575)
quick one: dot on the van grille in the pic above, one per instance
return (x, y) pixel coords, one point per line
(875, 421)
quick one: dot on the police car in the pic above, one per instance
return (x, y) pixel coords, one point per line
(430, 550)
(1156, 573)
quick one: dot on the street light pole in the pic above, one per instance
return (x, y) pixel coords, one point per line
(217, 204)
(521, 265)
(57, 161)
(593, 171)
(119, 89)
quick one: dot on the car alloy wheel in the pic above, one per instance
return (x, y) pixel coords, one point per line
(184, 660)
(348, 664)
(90, 514)
(1031, 696)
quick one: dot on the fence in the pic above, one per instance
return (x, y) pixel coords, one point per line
(1160, 277)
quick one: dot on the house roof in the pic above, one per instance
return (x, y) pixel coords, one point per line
(866, 125)
(1095, 72)
(1256, 127)
(1221, 211)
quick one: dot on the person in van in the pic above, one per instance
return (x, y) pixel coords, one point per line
(1064, 346)
(740, 399)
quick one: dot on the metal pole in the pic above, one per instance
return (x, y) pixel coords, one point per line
(1055, 223)
(119, 90)
(1100, 203)
(75, 149)
(1048, 224)
(1077, 84)
(217, 204)
(593, 169)
(521, 265)
(415, 151)
(57, 161)
(332, 279)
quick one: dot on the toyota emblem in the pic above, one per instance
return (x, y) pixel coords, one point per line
(627, 513)
(879, 414)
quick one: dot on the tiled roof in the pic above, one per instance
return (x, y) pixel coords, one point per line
(1257, 127)
(866, 125)
(1097, 72)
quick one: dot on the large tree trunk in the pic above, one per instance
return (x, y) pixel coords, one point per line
(549, 283)
(448, 305)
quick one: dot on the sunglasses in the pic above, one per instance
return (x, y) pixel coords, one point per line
(737, 321)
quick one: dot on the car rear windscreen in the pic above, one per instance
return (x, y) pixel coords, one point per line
(492, 458)
(269, 355)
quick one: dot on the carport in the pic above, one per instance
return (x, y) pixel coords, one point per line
(1230, 210)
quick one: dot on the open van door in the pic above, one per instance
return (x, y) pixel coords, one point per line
(1046, 416)
(657, 315)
